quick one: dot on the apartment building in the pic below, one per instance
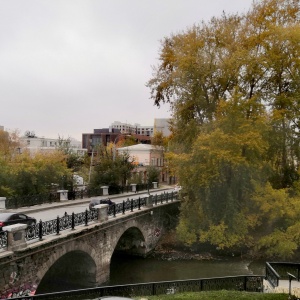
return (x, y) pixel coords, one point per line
(126, 128)
(35, 144)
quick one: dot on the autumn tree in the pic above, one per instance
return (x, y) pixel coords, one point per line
(233, 87)
(110, 168)
(36, 174)
(9, 144)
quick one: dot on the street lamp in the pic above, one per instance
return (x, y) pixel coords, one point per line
(114, 146)
(91, 162)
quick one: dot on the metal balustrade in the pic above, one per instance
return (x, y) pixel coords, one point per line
(3, 239)
(249, 283)
(276, 271)
(30, 200)
(69, 222)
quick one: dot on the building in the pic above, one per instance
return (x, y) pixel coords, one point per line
(144, 155)
(100, 137)
(34, 144)
(163, 126)
(126, 128)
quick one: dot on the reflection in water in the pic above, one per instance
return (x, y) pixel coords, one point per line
(126, 270)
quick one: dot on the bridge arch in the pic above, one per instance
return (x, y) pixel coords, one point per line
(132, 241)
(76, 269)
(66, 264)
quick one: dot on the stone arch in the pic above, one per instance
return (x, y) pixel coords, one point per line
(72, 252)
(131, 240)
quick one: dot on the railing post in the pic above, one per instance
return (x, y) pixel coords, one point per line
(15, 236)
(133, 187)
(139, 203)
(57, 225)
(40, 230)
(104, 190)
(63, 195)
(102, 212)
(131, 205)
(149, 202)
(2, 202)
(73, 221)
(86, 217)
(123, 207)
(153, 289)
(155, 199)
(114, 210)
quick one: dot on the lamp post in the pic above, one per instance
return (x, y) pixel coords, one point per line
(114, 146)
(92, 157)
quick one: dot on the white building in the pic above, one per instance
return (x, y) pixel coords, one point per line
(126, 128)
(144, 155)
(163, 126)
(35, 144)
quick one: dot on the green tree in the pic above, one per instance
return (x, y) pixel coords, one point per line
(152, 174)
(36, 174)
(233, 87)
(111, 169)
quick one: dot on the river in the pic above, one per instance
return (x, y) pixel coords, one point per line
(130, 269)
(126, 270)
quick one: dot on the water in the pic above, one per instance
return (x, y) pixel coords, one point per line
(126, 270)
(130, 270)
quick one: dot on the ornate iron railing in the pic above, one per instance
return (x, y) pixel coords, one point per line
(41, 229)
(250, 283)
(3, 239)
(280, 270)
(57, 225)
(30, 200)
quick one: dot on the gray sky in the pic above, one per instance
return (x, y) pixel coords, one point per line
(69, 66)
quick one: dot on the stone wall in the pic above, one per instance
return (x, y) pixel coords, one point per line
(136, 233)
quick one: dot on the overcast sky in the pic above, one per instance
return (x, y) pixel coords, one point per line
(69, 66)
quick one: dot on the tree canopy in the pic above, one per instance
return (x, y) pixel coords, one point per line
(233, 86)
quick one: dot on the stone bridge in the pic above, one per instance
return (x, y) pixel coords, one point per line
(82, 257)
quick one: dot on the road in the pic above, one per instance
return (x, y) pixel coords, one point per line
(52, 213)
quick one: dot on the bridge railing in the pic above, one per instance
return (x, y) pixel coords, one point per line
(280, 270)
(3, 239)
(69, 222)
(30, 200)
(250, 283)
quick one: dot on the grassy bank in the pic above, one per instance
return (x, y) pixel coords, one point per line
(217, 295)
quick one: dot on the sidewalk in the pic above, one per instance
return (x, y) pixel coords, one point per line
(45, 206)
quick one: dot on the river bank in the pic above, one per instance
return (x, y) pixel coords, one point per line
(170, 249)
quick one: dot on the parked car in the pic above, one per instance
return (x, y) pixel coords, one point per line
(100, 201)
(14, 218)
